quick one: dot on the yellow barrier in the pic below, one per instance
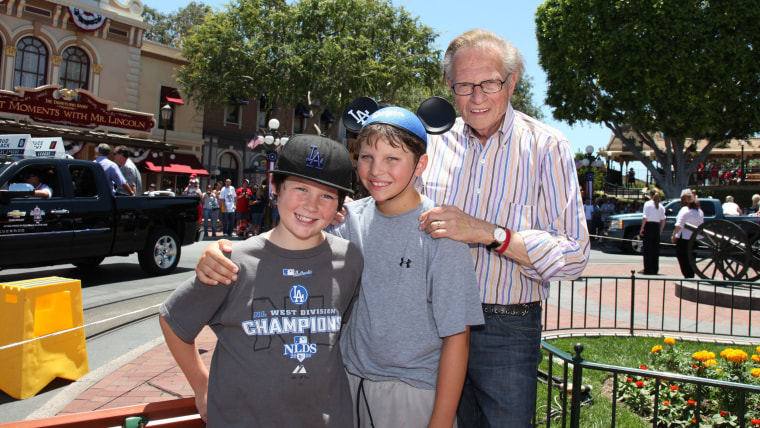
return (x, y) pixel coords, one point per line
(32, 309)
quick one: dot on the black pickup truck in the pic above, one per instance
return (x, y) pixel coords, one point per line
(83, 222)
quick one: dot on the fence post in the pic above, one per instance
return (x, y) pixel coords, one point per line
(633, 300)
(575, 402)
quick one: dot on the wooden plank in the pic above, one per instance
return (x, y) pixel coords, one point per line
(162, 413)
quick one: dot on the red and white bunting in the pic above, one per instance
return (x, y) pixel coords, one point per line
(86, 21)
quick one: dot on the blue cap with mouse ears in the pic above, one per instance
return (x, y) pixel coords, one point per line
(434, 116)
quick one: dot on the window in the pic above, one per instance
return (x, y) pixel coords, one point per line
(30, 70)
(262, 117)
(75, 69)
(84, 181)
(232, 114)
(300, 115)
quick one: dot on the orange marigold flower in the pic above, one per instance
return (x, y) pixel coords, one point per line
(643, 367)
(630, 380)
(711, 362)
(755, 422)
(757, 349)
(670, 341)
(736, 356)
(691, 402)
(723, 413)
(656, 349)
(640, 383)
(725, 352)
(704, 356)
(755, 372)
(666, 402)
(756, 358)
(674, 387)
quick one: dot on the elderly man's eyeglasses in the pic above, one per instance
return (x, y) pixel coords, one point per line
(487, 86)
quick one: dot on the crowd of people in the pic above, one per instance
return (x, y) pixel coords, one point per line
(228, 211)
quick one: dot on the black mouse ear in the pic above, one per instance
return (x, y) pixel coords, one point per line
(358, 112)
(437, 115)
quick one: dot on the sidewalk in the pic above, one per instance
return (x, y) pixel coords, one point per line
(154, 376)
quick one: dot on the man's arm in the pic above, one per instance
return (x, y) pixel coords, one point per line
(451, 373)
(189, 361)
(128, 189)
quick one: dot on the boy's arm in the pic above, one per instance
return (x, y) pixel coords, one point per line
(189, 360)
(451, 373)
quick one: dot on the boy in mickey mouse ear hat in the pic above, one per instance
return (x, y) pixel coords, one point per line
(263, 373)
(408, 333)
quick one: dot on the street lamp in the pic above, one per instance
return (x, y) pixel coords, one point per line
(166, 115)
(743, 174)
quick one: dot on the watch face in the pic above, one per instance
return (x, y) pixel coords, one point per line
(499, 234)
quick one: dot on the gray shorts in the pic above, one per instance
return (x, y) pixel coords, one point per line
(391, 404)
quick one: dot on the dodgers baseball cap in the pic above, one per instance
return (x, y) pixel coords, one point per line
(400, 118)
(317, 159)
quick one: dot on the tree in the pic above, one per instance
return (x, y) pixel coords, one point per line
(170, 29)
(321, 53)
(682, 70)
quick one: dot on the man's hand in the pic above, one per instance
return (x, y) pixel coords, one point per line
(450, 222)
(214, 267)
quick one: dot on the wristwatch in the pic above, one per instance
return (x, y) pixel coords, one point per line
(499, 236)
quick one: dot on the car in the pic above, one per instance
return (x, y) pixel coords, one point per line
(623, 229)
(84, 222)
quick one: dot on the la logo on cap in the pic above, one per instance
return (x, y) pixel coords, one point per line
(315, 159)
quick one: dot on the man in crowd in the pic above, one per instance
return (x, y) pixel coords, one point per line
(243, 197)
(128, 168)
(113, 173)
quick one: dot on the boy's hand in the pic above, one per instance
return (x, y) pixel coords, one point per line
(340, 216)
(201, 405)
(214, 267)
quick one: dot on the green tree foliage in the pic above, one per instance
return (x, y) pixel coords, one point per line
(322, 53)
(683, 69)
(170, 29)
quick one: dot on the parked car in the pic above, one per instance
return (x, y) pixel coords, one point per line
(83, 222)
(624, 228)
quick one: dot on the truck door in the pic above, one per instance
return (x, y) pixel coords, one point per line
(93, 218)
(35, 228)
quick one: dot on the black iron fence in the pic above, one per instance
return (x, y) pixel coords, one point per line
(719, 311)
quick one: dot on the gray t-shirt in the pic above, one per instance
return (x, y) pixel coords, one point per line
(415, 291)
(277, 360)
(132, 175)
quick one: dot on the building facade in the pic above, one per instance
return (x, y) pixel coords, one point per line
(83, 71)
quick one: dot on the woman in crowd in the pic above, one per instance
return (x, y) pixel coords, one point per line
(691, 214)
(651, 228)
(210, 207)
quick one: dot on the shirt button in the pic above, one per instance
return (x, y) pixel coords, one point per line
(483, 160)
(477, 191)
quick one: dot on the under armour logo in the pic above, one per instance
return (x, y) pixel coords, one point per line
(408, 262)
(315, 160)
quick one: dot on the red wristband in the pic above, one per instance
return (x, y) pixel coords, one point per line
(504, 246)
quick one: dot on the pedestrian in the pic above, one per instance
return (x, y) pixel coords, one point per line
(128, 168)
(731, 208)
(507, 185)
(753, 210)
(256, 206)
(210, 208)
(242, 198)
(112, 170)
(227, 201)
(688, 214)
(277, 362)
(651, 227)
(588, 212)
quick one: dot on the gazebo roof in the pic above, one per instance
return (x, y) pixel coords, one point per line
(731, 150)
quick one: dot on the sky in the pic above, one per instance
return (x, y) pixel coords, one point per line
(512, 19)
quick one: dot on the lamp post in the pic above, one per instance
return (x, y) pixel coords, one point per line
(594, 163)
(743, 174)
(166, 115)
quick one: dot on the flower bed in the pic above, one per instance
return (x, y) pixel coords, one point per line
(677, 402)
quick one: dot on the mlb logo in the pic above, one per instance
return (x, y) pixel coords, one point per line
(288, 272)
(300, 340)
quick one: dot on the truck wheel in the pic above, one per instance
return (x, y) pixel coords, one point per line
(88, 263)
(632, 243)
(161, 253)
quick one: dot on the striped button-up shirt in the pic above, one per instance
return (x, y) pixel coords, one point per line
(523, 178)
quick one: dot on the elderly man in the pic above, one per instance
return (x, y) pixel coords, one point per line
(113, 172)
(507, 185)
(128, 168)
